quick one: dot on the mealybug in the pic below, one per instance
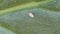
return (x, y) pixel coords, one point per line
(31, 15)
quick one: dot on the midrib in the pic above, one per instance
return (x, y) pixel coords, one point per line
(27, 5)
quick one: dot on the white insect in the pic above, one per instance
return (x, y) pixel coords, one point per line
(31, 15)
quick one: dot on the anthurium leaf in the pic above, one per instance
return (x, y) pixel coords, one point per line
(15, 16)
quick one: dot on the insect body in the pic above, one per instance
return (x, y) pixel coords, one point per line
(31, 15)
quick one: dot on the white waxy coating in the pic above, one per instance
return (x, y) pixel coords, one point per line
(31, 15)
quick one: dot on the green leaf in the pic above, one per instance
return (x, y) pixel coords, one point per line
(14, 15)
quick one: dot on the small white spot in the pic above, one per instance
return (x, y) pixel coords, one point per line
(31, 15)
